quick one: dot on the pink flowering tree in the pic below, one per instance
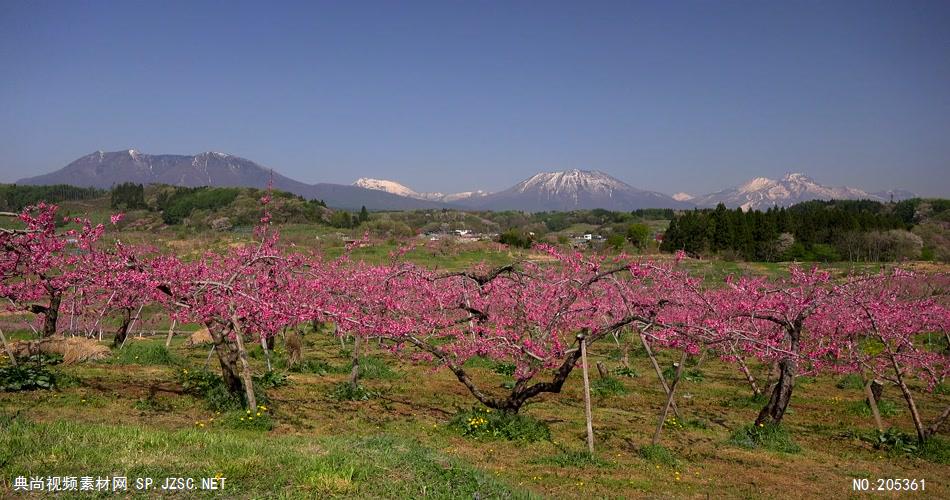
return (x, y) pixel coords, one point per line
(880, 321)
(40, 265)
(778, 321)
(250, 293)
(528, 314)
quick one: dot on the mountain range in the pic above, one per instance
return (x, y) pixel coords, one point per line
(545, 191)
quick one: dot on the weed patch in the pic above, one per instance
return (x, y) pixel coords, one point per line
(30, 374)
(485, 423)
(344, 391)
(765, 436)
(658, 454)
(606, 387)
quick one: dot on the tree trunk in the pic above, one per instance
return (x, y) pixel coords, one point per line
(669, 399)
(294, 348)
(52, 314)
(781, 395)
(228, 357)
(123, 329)
(355, 370)
(245, 366)
(602, 370)
(942, 419)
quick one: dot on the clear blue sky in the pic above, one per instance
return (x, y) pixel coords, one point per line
(448, 95)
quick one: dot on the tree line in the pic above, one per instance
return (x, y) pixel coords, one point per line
(855, 230)
(14, 198)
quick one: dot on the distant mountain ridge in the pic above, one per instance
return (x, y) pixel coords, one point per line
(546, 191)
(105, 169)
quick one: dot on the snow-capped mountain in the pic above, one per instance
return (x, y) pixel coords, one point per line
(762, 193)
(403, 190)
(395, 188)
(572, 190)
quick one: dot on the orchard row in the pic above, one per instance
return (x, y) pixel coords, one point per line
(533, 315)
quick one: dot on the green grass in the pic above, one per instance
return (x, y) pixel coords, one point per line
(278, 466)
(850, 381)
(765, 436)
(658, 454)
(886, 407)
(606, 387)
(936, 449)
(579, 459)
(143, 353)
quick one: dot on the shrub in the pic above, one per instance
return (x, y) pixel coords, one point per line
(892, 440)
(623, 371)
(30, 374)
(144, 353)
(270, 379)
(493, 424)
(766, 436)
(606, 387)
(658, 454)
(210, 387)
(26, 377)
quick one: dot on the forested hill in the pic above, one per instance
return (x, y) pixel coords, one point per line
(817, 230)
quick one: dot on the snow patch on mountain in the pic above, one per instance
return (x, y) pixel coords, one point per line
(683, 196)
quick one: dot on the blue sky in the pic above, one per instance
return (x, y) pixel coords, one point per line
(450, 96)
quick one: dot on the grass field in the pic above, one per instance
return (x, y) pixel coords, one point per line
(129, 415)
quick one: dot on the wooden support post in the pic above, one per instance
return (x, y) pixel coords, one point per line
(7, 348)
(669, 399)
(171, 333)
(587, 412)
